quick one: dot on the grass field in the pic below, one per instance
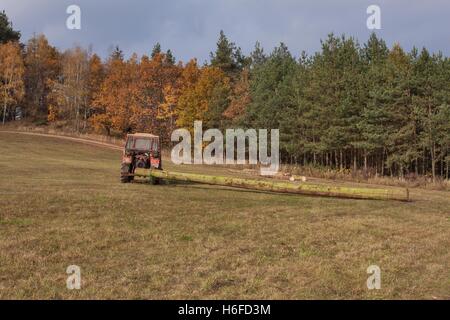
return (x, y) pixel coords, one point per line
(61, 204)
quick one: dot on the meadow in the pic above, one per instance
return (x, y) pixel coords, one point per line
(62, 203)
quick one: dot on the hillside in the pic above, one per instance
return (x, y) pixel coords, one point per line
(62, 204)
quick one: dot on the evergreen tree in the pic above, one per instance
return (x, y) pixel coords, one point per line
(117, 54)
(169, 58)
(375, 50)
(7, 33)
(228, 57)
(257, 56)
(431, 102)
(374, 117)
(156, 50)
(401, 125)
(272, 89)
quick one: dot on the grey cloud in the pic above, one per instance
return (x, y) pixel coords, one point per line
(190, 27)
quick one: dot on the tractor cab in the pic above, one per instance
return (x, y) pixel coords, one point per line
(142, 150)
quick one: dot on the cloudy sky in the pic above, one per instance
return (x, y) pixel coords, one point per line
(190, 27)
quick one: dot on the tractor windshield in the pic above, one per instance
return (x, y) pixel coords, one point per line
(139, 144)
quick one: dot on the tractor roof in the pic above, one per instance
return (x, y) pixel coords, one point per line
(142, 135)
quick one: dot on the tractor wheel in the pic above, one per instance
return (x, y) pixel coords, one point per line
(126, 169)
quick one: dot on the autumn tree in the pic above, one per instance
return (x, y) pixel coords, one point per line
(204, 99)
(113, 99)
(97, 75)
(11, 78)
(240, 98)
(138, 95)
(156, 86)
(42, 66)
(70, 92)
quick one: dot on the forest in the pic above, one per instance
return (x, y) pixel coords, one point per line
(350, 106)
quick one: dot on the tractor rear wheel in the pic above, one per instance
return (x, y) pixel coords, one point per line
(124, 171)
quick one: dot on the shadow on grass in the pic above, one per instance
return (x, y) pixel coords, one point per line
(206, 187)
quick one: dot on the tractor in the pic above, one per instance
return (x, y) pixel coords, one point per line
(142, 150)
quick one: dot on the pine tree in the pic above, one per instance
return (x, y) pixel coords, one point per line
(401, 125)
(156, 50)
(271, 88)
(228, 57)
(431, 102)
(257, 56)
(169, 58)
(7, 33)
(117, 54)
(374, 116)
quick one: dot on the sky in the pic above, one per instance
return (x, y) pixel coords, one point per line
(190, 28)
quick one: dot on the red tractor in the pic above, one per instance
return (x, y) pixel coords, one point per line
(142, 150)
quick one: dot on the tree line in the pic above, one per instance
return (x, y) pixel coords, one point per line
(353, 106)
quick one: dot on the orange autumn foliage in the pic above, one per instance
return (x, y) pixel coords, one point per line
(240, 98)
(195, 101)
(12, 70)
(137, 96)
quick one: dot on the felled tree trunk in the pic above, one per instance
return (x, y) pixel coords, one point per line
(286, 187)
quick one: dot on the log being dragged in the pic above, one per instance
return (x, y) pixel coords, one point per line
(286, 187)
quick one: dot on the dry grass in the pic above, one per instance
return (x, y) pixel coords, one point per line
(370, 177)
(61, 203)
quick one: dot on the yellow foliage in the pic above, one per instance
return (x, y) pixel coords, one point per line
(11, 76)
(195, 98)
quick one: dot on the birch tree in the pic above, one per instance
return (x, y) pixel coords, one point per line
(11, 78)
